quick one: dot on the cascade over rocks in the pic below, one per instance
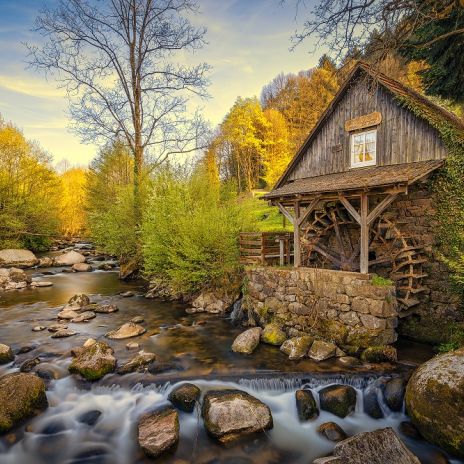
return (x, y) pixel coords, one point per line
(17, 258)
(185, 397)
(21, 396)
(127, 330)
(230, 414)
(338, 399)
(247, 341)
(94, 361)
(158, 431)
(435, 401)
(297, 347)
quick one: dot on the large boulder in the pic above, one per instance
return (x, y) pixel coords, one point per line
(17, 258)
(69, 259)
(6, 354)
(306, 405)
(93, 362)
(127, 330)
(273, 334)
(338, 399)
(435, 401)
(321, 350)
(82, 267)
(378, 447)
(247, 341)
(21, 396)
(158, 431)
(297, 347)
(230, 414)
(185, 397)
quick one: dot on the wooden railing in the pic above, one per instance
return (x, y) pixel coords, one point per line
(266, 248)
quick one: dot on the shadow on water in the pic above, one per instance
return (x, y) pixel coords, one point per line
(193, 347)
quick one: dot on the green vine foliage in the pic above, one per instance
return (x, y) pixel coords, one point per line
(448, 190)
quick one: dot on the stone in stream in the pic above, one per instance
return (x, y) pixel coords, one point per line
(185, 397)
(82, 267)
(273, 334)
(138, 363)
(394, 393)
(349, 361)
(247, 341)
(105, 308)
(127, 294)
(338, 399)
(41, 283)
(67, 314)
(378, 354)
(127, 330)
(89, 417)
(137, 320)
(297, 347)
(6, 354)
(38, 328)
(435, 401)
(69, 259)
(306, 405)
(84, 317)
(78, 301)
(371, 401)
(231, 414)
(29, 364)
(46, 261)
(17, 258)
(21, 396)
(64, 333)
(332, 431)
(132, 346)
(321, 350)
(158, 431)
(378, 447)
(93, 362)
(89, 342)
(57, 327)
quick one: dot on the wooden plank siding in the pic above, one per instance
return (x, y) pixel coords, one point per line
(401, 136)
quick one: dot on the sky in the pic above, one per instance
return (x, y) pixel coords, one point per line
(248, 45)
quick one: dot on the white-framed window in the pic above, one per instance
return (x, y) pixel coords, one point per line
(363, 148)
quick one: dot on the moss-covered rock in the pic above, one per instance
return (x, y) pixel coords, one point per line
(364, 337)
(435, 401)
(338, 399)
(333, 330)
(21, 396)
(273, 334)
(93, 362)
(378, 354)
(297, 347)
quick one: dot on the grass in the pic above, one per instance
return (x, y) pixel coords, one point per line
(379, 281)
(268, 218)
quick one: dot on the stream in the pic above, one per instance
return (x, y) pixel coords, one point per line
(188, 347)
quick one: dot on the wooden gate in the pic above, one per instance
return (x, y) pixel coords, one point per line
(266, 248)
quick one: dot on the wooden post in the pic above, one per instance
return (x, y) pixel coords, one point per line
(296, 236)
(364, 252)
(282, 251)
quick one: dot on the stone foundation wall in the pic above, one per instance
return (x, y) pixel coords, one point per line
(343, 307)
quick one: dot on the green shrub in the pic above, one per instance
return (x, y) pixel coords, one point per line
(379, 281)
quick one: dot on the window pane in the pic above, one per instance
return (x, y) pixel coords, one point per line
(370, 137)
(358, 150)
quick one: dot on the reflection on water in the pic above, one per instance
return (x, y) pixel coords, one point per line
(191, 347)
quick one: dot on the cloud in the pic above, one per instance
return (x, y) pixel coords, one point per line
(30, 86)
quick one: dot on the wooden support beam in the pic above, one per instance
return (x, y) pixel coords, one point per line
(307, 211)
(381, 207)
(296, 236)
(364, 254)
(350, 208)
(321, 249)
(286, 213)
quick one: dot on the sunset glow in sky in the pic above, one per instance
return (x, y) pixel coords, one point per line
(248, 44)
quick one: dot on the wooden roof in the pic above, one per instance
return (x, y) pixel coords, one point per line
(430, 112)
(359, 178)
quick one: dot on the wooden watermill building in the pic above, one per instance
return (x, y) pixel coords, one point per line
(358, 191)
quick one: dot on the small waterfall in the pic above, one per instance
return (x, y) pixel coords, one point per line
(272, 384)
(237, 314)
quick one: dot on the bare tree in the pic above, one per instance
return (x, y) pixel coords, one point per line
(115, 59)
(385, 25)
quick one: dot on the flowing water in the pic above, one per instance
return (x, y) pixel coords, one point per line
(188, 347)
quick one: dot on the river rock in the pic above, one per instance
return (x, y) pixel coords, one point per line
(68, 314)
(84, 317)
(89, 417)
(185, 397)
(41, 283)
(137, 320)
(57, 327)
(46, 261)
(29, 364)
(247, 341)
(378, 354)
(69, 259)
(230, 414)
(306, 405)
(378, 447)
(214, 302)
(158, 431)
(435, 401)
(13, 278)
(94, 362)
(332, 431)
(127, 294)
(105, 308)
(64, 333)
(394, 393)
(89, 342)
(321, 350)
(127, 330)
(132, 346)
(137, 363)
(21, 396)
(297, 347)
(17, 258)
(38, 328)
(273, 334)
(371, 401)
(82, 267)
(338, 399)
(349, 361)
(6, 354)
(78, 301)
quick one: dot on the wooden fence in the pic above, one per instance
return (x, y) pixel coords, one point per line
(266, 248)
